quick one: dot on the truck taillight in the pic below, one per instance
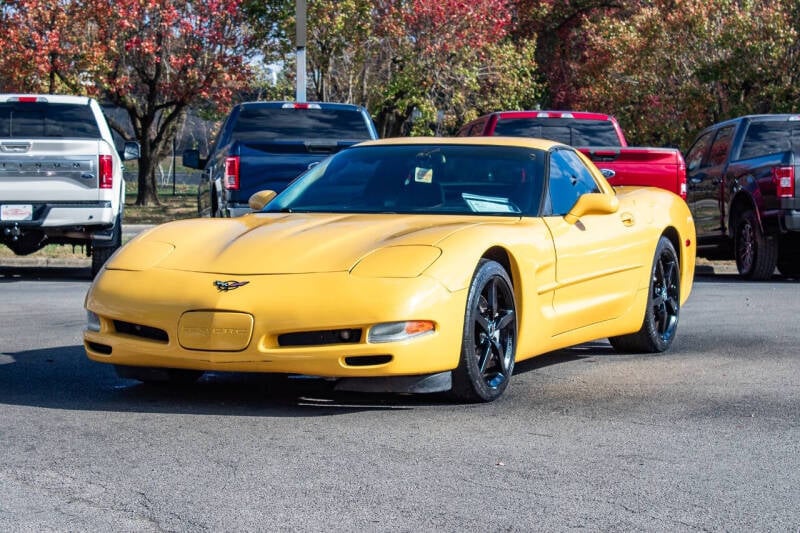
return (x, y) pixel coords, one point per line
(106, 172)
(783, 178)
(300, 105)
(232, 173)
(682, 178)
(27, 99)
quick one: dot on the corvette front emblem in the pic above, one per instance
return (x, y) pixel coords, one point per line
(229, 285)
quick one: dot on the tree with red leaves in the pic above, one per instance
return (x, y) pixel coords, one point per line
(152, 58)
(445, 58)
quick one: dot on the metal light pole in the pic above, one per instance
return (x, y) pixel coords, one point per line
(300, 43)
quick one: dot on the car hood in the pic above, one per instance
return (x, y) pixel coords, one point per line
(293, 243)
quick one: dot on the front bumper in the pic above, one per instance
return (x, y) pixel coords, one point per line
(248, 323)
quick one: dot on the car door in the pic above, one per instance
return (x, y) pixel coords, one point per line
(598, 263)
(705, 177)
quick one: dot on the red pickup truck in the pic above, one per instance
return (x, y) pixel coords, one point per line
(598, 136)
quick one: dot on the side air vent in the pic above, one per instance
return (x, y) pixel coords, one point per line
(104, 349)
(367, 360)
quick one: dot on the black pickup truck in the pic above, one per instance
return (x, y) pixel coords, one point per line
(265, 145)
(743, 193)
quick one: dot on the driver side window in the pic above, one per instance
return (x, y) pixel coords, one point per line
(568, 179)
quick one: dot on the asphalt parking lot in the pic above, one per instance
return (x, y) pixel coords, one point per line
(704, 437)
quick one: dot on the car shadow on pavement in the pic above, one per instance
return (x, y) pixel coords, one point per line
(64, 378)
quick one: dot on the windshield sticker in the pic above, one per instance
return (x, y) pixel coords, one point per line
(423, 175)
(489, 204)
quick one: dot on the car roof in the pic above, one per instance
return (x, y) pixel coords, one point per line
(545, 113)
(51, 98)
(280, 104)
(523, 142)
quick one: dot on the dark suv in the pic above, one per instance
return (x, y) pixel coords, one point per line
(265, 145)
(743, 193)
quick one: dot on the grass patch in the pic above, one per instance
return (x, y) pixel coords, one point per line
(182, 204)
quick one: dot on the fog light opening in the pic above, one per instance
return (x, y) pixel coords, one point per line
(92, 321)
(399, 331)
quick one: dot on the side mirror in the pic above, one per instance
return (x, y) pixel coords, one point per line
(131, 150)
(260, 199)
(191, 159)
(592, 204)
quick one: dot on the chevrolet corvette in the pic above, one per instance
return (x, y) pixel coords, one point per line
(406, 265)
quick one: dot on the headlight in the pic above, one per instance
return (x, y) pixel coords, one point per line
(92, 321)
(139, 255)
(399, 331)
(407, 261)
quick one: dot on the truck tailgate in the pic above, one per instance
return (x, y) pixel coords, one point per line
(273, 165)
(44, 170)
(654, 167)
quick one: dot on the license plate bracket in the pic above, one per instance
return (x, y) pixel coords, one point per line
(16, 212)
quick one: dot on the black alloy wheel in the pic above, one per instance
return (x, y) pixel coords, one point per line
(756, 253)
(663, 306)
(490, 336)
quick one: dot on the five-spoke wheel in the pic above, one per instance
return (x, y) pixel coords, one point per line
(663, 305)
(490, 336)
(756, 253)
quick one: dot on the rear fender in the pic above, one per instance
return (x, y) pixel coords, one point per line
(741, 201)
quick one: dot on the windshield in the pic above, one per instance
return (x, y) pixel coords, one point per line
(432, 179)
(44, 119)
(269, 123)
(563, 130)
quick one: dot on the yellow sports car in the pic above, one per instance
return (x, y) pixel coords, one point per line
(412, 265)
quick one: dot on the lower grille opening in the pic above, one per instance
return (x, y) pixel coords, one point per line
(367, 360)
(138, 330)
(316, 338)
(104, 349)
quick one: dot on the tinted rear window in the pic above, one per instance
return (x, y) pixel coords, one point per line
(259, 124)
(40, 119)
(563, 130)
(764, 138)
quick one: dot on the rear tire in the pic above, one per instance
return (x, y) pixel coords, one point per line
(489, 340)
(101, 254)
(756, 253)
(790, 268)
(789, 255)
(663, 306)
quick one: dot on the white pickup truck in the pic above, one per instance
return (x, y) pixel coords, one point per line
(60, 175)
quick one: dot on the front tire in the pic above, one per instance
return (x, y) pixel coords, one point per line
(756, 253)
(488, 346)
(663, 306)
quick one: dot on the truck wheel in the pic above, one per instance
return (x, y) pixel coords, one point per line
(790, 268)
(756, 253)
(663, 306)
(101, 254)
